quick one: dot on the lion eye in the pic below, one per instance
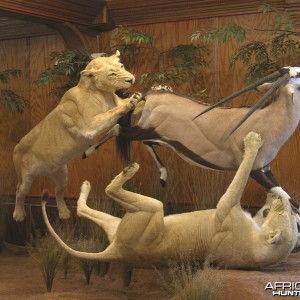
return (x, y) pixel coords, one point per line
(122, 67)
(113, 74)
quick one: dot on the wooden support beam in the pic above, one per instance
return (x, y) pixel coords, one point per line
(55, 11)
(73, 19)
(293, 8)
(132, 12)
(71, 35)
(13, 29)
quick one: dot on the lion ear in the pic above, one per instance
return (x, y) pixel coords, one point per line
(96, 55)
(117, 53)
(87, 73)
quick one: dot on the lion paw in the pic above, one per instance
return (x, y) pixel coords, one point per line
(19, 215)
(131, 169)
(81, 203)
(253, 140)
(134, 100)
(64, 213)
(86, 187)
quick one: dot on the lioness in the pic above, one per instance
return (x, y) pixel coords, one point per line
(226, 235)
(84, 111)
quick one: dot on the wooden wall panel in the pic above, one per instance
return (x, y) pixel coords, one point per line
(13, 55)
(41, 100)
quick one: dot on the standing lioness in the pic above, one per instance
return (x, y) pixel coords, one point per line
(83, 112)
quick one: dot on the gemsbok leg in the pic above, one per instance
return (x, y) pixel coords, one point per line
(131, 133)
(162, 169)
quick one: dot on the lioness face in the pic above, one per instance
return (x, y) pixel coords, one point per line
(282, 218)
(108, 73)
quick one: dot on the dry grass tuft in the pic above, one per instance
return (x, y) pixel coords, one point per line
(189, 282)
(47, 254)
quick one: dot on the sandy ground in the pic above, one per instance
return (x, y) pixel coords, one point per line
(20, 278)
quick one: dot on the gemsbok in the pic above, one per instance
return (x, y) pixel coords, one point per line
(211, 141)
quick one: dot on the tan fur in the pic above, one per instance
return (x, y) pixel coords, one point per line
(225, 235)
(83, 113)
(261, 215)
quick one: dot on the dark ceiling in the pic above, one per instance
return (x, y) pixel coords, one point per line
(93, 16)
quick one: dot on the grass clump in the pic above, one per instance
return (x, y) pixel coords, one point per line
(47, 254)
(188, 281)
(87, 245)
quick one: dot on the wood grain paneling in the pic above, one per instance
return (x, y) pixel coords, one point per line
(13, 55)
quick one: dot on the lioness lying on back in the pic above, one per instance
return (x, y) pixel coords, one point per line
(226, 235)
(84, 112)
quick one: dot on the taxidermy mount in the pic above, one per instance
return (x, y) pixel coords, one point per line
(211, 140)
(84, 112)
(226, 236)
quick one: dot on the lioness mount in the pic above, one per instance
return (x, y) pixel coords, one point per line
(84, 112)
(226, 235)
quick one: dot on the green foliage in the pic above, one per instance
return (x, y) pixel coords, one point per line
(6, 75)
(124, 35)
(282, 45)
(67, 64)
(185, 61)
(187, 53)
(257, 52)
(282, 23)
(223, 34)
(13, 102)
(183, 64)
(9, 99)
(177, 65)
(263, 58)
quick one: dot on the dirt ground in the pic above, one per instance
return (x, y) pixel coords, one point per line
(20, 278)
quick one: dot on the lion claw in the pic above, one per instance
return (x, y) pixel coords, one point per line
(134, 100)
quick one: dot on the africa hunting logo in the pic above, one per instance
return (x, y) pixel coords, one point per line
(283, 288)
